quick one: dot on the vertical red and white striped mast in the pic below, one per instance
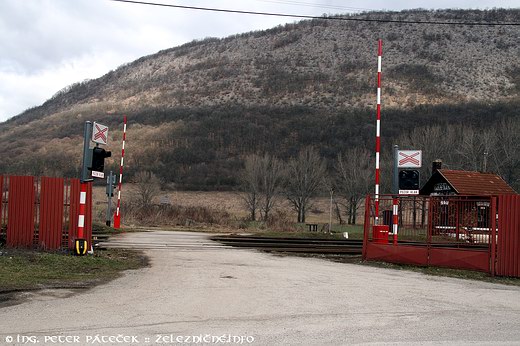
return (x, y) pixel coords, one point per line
(378, 129)
(395, 215)
(81, 243)
(117, 216)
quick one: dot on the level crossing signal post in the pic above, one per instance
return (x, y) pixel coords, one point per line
(405, 180)
(92, 166)
(111, 185)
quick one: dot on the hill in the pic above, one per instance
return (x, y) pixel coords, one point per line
(195, 110)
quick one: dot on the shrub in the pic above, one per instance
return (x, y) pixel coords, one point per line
(166, 214)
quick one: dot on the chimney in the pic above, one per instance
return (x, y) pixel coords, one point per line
(436, 165)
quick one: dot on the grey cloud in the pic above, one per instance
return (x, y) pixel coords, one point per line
(39, 38)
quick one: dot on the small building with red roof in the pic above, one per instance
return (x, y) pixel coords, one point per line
(465, 183)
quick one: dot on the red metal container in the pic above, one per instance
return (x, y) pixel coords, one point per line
(380, 234)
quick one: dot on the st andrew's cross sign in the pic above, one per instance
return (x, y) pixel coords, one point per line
(409, 158)
(100, 133)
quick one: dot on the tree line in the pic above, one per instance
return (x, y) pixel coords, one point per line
(266, 179)
(206, 149)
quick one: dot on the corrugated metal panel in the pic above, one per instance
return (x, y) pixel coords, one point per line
(66, 215)
(73, 211)
(459, 259)
(88, 216)
(415, 255)
(2, 217)
(51, 213)
(20, 222)
(57, 205)
(508, 244)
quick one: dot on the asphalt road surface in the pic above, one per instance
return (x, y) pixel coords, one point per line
(196, 292)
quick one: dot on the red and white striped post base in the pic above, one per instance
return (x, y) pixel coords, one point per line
(81, 244)
(395, 218)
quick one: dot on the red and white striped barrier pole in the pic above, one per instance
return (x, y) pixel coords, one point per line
(81, 243)
(378, 130)
(82, 210)
(395, 220)
(117, 216)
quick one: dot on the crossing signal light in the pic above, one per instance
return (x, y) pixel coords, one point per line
(98, 159)
(409, 179)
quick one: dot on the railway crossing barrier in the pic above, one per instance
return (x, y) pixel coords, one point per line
(462, 232)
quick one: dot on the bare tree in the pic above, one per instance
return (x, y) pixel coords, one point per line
(355, 178)
(261, 181)
(147, 187)
(271, 177)
(474, 148)
(250, 181)
(507, 159)
(304, 176)
(489, 140)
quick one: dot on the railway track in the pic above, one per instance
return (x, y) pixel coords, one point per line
(295, 245)
(98, 238)
(307, 245)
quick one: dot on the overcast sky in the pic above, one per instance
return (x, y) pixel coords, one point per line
(46, 45)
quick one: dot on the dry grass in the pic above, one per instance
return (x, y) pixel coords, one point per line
(218, 201)
(233, 204)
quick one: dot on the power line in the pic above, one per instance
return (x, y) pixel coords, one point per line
(301, 3)
(316, 17)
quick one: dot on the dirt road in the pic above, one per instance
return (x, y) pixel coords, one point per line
(196, 292)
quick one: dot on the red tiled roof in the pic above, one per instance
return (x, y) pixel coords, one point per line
(476, 183)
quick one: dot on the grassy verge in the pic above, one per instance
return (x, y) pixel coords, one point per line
(27, 270)
(452, 273)
(432, 271)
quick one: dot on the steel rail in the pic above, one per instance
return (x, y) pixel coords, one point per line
(315, 246)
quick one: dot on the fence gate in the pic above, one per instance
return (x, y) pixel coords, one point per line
(508, 243)
(453, 232)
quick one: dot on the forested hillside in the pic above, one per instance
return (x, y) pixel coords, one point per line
(197, 110)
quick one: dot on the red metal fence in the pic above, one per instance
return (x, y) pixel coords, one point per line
(508, 243)
(41, 212)
(448, 231)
